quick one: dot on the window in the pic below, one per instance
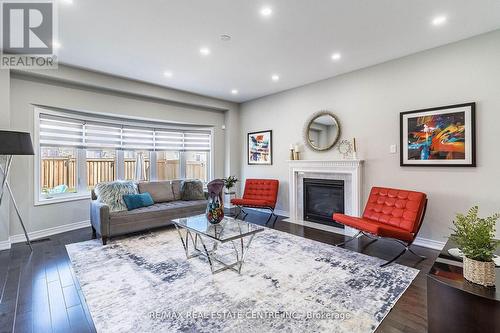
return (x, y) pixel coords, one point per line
(76, 151)
(130, 158)
(197, 165)
(59, 173)
(101, 166)
(168, 165)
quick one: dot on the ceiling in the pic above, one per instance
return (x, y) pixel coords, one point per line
(143, 39)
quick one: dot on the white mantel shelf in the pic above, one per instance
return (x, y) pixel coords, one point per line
(326, 163)
(351, 168)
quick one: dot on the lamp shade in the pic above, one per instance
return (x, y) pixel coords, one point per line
(15, 143)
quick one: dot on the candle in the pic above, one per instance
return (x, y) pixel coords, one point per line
(354, 144)
(296, 148)
(291, 147)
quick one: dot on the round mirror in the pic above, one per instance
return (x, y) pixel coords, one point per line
(322, 131)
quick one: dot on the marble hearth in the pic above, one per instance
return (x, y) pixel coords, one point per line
(350, 171)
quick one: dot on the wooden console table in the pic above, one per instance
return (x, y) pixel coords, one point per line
(457, 305)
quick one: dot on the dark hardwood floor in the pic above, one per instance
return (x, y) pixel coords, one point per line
(39, 292)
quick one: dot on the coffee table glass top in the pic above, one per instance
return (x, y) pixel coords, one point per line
(229, 229)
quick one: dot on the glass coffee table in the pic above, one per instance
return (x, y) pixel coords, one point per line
(239, 234)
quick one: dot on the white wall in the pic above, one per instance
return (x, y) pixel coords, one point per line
(4, 124)
(368, 102)
(75, 89)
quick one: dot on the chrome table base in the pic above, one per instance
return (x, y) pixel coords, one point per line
(239, 247)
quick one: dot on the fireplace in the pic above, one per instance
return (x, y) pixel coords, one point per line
(322, 198)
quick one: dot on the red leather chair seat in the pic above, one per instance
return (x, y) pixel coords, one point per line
(252, 202)
(372, 227)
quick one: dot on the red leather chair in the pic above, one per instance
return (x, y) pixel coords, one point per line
(389, 213)
(259, 193)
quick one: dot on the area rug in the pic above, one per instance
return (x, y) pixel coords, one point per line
(288, 284)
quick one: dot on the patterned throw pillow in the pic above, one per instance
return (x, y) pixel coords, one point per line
(112, 193)
(192, 190)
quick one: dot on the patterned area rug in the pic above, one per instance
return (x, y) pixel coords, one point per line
(288, 284)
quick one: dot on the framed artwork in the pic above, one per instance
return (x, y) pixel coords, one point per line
(260, 148)
(442, 136)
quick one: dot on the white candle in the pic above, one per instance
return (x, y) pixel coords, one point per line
(291, 147)
(296, 148)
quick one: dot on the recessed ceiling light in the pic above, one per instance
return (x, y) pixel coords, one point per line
(168, 74)
(275, 77)
(439, 20)
(56, 45)
(70, 2)
(234, 91)
(205, 51)
(266, 11)
(336, 56)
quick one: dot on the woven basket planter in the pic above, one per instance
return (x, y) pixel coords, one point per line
(479, 272)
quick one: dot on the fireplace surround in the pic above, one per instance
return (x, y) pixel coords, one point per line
(350, 171)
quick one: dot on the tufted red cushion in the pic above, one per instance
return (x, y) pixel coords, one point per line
(375, 228)
(259, 193)
(398, 208)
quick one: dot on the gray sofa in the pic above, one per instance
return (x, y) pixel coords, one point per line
(168, 206)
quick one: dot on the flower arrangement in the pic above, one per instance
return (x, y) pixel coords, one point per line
(229, 182)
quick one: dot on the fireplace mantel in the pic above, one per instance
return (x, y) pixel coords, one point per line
(351, 170)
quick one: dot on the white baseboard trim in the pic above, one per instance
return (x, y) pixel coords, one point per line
(4, 245)
(48, 232)
(429, 243)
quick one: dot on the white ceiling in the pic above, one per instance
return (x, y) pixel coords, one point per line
(143, 39)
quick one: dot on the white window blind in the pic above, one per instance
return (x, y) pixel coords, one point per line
(60, 131)
(73, 132)
(138, 138)
(197, 141)
(169, 140)
(100, 135)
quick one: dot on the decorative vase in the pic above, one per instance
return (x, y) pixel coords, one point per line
(215, 210)
(479, 272)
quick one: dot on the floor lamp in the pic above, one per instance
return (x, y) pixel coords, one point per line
(14, 143)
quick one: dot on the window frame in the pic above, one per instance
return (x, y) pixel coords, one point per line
(82, 193)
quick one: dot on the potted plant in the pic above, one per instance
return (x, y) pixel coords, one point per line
(229, 183)
(475, 238)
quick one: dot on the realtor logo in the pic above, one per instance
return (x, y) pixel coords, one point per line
(27, 34)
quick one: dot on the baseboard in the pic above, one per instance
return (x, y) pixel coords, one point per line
(48, 232)
(4, 245)
(429, 243)
(282, 212)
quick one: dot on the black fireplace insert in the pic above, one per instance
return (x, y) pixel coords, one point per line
(322, 198)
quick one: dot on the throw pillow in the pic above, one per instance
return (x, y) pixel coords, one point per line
(192, 190)
(134, 201)
(111, 194)
(160, 191)
(176, 188)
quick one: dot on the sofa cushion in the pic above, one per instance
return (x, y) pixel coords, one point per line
(163, 212)
(134, 201)
(192, 190)
(111, 194)
(160, 191)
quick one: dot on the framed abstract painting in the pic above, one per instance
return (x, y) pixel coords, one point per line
(260, 148)
(442, 136)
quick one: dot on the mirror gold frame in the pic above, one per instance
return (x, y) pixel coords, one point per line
(310, 121)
